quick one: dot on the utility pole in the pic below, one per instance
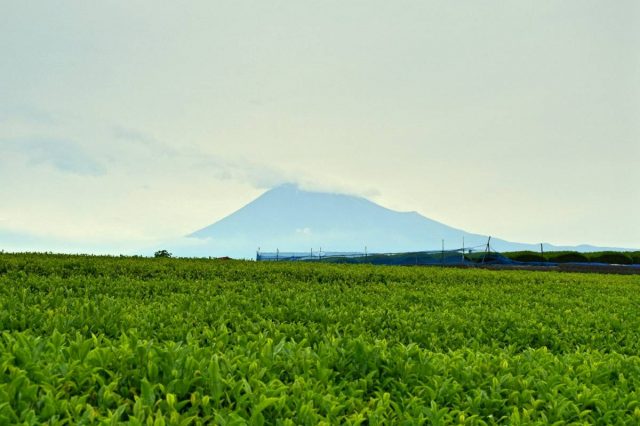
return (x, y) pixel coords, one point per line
(442, 253)
(487, 250)
(277, 254)
(463, 249)
(541, 253)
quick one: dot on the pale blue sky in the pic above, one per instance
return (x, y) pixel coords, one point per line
(136, 121)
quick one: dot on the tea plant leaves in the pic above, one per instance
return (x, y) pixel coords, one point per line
(98, 340)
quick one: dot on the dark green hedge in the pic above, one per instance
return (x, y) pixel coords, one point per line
(567, 257)
(525, 256)
(611, 257)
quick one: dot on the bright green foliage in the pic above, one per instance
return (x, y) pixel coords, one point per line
(185, 342)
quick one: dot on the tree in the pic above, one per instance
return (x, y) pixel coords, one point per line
(162, 253)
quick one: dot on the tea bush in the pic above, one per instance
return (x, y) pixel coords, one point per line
(186, 341)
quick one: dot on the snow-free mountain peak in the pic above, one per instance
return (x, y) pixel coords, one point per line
(293, 219)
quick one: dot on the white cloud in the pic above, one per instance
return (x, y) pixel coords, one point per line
(64, 156)
(305, 231)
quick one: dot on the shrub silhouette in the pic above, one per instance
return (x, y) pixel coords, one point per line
(611, 257)
(162, 253)
(526, 256)
(567, 257)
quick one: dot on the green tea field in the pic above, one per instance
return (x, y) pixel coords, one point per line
(106, 340)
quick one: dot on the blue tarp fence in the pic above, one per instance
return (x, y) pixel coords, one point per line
(466, 256)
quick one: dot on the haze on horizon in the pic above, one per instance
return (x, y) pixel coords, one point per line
(124, 123)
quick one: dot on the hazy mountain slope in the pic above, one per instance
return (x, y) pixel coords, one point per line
(292, 219)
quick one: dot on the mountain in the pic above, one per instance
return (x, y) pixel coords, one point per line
(291, 219)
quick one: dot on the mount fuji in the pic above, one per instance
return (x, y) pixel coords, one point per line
(292, 219)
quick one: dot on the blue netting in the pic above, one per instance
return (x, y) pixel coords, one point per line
(440, 257)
